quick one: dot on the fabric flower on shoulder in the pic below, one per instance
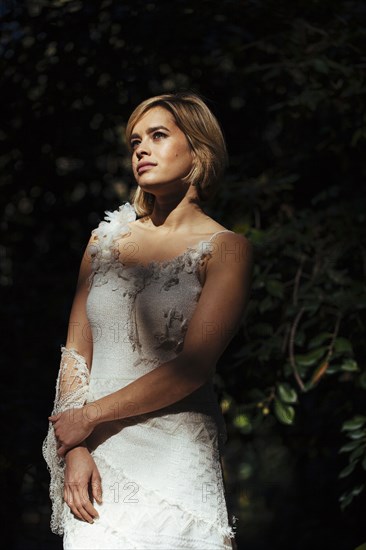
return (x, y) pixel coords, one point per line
(116, 222)
(115, 225)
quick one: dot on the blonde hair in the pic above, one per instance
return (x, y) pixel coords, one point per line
(204, 135)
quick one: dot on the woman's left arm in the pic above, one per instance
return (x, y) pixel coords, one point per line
(215, 321)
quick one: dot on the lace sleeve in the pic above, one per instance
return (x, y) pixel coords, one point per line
(71, 391)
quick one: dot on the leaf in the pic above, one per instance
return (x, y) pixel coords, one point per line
(333, 368)
(284, 413)
(357, 490)
(357, 434)
(354, 423)
(286, 393)
(347, 470)
(275, 288)
(362, 547)
(242, 422)
(362, 380)
(309, 359)
(266, 304)
(245, 471)
(343, 345)
(349, 447)
(350, 365)
(346, 500)
(356, 453)
(258, 237)
(319, 339)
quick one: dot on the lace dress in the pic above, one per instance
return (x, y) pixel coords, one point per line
(161, 473)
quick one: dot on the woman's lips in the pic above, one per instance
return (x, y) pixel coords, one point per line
(144, 167)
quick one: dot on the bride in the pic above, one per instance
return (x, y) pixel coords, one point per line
(161, 291)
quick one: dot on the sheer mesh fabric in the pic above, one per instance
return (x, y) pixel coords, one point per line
(71, 392)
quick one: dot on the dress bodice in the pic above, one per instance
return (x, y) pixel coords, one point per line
(139, 314)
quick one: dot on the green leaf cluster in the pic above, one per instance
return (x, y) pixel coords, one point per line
(355, 429)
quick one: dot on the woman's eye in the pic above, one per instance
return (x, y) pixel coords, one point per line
(158, 135)
(134, 143)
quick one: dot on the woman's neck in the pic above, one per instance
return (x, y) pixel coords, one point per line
(174, 213)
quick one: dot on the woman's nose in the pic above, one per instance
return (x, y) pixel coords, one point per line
(141, 150)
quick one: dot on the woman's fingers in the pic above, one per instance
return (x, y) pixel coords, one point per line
(96, 484)
(77, 498)
(79, 509)
(70, 500)
(71, 425)
(85, 508)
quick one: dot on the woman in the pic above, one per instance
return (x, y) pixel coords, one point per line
(136, 421)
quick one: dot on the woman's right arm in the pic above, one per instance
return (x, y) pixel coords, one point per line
(81, 470)
(70, 479)
(78, 334)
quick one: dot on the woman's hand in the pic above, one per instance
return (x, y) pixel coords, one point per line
(82, 479)
(71, 428)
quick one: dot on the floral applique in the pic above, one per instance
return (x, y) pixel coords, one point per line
(172, 281)
(104, 252)
(165, 339)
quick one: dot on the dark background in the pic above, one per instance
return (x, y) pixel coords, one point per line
(287, 81)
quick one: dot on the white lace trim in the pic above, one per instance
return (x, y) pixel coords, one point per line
(71, 391)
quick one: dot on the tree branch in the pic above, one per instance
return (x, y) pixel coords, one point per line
(334, 336)
(291, 349)
(297, 282)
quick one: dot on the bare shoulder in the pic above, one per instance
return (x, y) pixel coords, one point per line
(140, 221)
(231, 252)
(229, 240)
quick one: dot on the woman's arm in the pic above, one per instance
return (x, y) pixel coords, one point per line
(73, 377)
(71, 391)
(213, 324)
(76, 355)
(78, 334)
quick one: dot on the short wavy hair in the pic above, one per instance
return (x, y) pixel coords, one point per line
(204, 135)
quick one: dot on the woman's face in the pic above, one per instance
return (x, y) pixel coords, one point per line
(161, 154)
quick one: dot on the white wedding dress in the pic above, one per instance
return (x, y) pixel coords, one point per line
(161, 473)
